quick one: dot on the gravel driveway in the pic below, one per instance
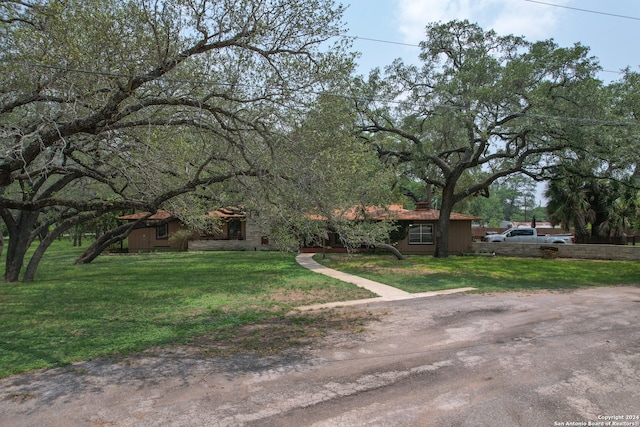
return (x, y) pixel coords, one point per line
(514, 359)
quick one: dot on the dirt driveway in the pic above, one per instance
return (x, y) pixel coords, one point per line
(539, 359)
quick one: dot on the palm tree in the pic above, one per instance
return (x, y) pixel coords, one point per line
(569, 205)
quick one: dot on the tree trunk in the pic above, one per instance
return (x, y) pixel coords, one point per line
(107, 239)
(34, 262)
(1, 241)
(20, 239)
(391, 249)
(48, 237)
(442, 233)
(77, 236)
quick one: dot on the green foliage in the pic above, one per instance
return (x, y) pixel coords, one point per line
(593, 206)
(594, 186)
(322, 176)
(110, 105)
(509, 199)
(480, 107)
(490, 209)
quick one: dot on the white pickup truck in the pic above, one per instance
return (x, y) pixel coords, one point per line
(528, 235)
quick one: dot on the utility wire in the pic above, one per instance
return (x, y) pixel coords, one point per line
(530, 1)
(417, 45)
(584, 121)
(381, 41)
(584, 10)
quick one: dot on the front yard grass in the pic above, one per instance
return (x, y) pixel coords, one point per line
(127, 303)
(489, 274)
(225, 302)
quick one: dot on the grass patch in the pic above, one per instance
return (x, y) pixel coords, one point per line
(488, 274)
(127, 303)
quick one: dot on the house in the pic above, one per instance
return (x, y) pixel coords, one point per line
(163, 231)
(238, 232)
(420, 226)
(155, 233)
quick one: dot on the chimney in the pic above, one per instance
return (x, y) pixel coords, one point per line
(424, 205)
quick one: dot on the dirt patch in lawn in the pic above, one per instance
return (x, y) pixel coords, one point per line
(277, 334)
(297, 297)
(414, 270)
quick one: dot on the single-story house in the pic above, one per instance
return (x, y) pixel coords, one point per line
(420, 226)
(155, 233)
(238, 232)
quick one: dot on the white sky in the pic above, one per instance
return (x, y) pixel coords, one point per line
(615, 41)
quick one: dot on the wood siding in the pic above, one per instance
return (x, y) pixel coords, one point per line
(234, 234)
(459, 239)
(144, 239)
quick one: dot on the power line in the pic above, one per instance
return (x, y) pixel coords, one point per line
(584, 10)
(417, 45)
(584, 121)
(381, 41)
(530, 1)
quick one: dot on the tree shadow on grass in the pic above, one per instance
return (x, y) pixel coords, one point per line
(280, 342)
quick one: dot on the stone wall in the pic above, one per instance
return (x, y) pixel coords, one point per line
(534, 250)
(252, 242)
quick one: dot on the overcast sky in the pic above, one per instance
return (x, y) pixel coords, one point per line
(614, 40)
(610, 28)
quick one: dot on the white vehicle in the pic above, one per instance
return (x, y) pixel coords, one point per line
(528, 235)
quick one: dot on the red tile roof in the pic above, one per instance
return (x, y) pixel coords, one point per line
(398, 213)
(224, 213)
(228, 212)
(392, 212)
(160, 215)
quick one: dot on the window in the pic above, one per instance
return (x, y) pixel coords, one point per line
(234, 227)
(421, 234)
(162, 232)
(523, 232)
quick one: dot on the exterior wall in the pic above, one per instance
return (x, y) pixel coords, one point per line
(251, 241)
(144, 239)
(460, 239)
(418, 249)
(533, 250)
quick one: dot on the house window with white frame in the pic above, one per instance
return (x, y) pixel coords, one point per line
(421, 234)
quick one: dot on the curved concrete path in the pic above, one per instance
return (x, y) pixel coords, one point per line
(385, 292)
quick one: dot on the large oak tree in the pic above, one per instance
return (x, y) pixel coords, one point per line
(479, 107)
(127, 104)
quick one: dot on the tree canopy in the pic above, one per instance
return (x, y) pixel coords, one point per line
(108, 105)
(479, 108)
(595, 187)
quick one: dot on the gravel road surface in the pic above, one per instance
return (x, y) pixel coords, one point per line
(514, 359)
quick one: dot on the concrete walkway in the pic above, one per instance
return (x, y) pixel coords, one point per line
(385, 292)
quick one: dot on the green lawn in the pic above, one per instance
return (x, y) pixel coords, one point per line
(124, 303)
(425, 273)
